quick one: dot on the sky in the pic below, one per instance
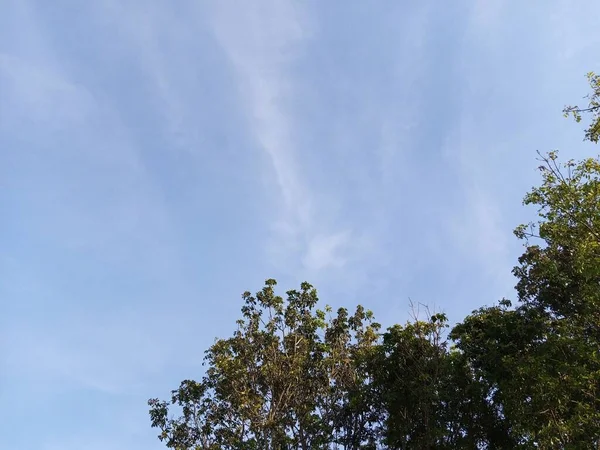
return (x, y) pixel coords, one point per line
(159, 158)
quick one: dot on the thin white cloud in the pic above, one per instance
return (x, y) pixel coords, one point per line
(322, 251)
(261, 40)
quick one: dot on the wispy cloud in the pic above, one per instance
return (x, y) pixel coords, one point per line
(263, 40)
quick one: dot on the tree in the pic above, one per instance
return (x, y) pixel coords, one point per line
(541, 359)
(409, 374)
(287, 378)
(429, 395)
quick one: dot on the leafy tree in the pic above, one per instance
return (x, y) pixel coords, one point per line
(430, 396)
(410, 372)
(287, 378)
(541, 358)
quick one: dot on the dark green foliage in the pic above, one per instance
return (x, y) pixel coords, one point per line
(430, 395)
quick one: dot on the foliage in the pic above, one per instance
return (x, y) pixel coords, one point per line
(430, 396)
(288, 378)
(296, 377)
(541, 358)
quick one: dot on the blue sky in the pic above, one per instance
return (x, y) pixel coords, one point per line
(159, 158)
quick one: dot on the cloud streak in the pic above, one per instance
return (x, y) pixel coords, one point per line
(263, 40)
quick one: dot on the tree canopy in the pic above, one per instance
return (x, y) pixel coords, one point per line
(294, 376)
